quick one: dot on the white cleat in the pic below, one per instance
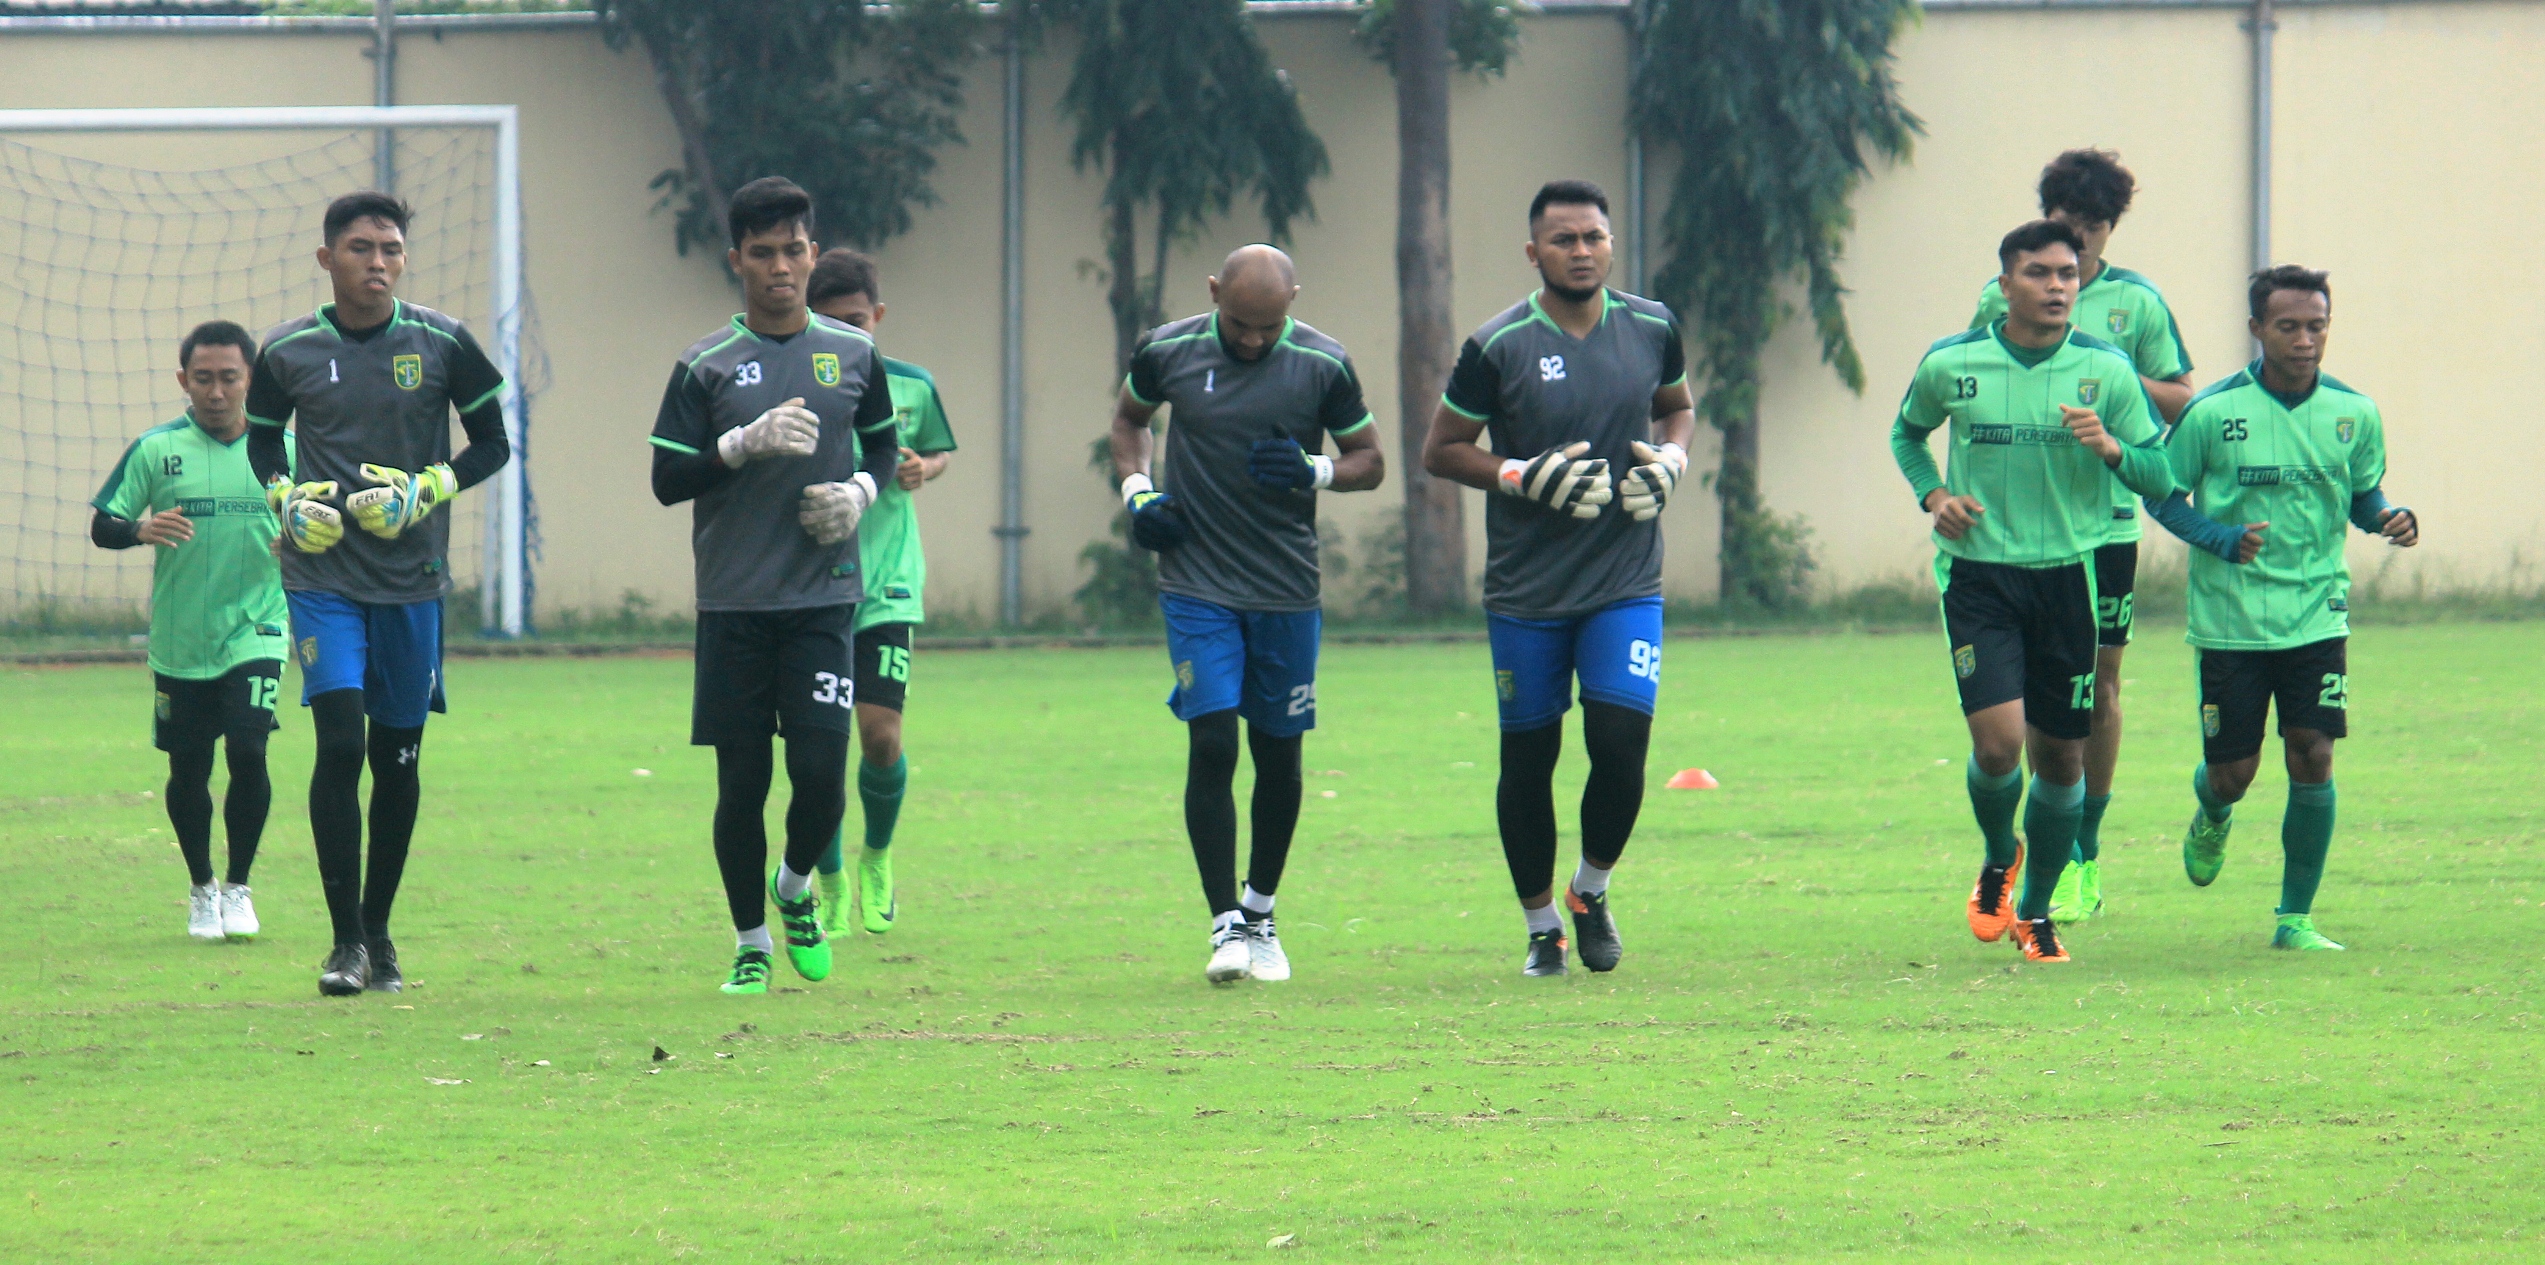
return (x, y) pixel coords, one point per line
(1264, 958)
(238, 913)
(1231, 953)
(203, 913)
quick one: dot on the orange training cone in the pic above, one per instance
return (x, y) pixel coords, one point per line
(1692, 780)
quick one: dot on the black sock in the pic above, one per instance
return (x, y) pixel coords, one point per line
(1616, 739)
(1273, 814)
(1524, 805)
(335, 807)
(1210, 806)
(817, 778)
(397, 760)
(243, 809)
(189, 795)
(743, 770)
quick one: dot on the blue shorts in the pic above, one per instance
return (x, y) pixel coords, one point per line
(1263, 663)
(390, 652)
(1616, 650)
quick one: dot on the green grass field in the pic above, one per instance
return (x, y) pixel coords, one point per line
(1805, 1054)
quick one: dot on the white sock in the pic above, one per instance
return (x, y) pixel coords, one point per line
(1231, 918)
(1545, 919)
(1256, 904)
(1589, 879)
(756, 938)
(212, 888)
(791, 885)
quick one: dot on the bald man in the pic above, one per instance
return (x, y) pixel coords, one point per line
(1232, 515)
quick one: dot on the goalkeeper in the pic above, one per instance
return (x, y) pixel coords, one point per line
(368, 383)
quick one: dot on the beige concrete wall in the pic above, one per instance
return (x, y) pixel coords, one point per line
(2405, 156)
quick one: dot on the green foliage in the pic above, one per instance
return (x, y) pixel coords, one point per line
(1482, 33)
(851, 105)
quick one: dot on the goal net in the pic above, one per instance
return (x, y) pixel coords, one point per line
(117, 239)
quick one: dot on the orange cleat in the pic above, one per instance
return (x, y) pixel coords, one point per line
(2040, 938)
(1992, 905)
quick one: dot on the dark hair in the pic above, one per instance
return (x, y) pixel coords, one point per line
(216, 334)
(2034, 236)
(369, 204)
(839, 273)
(2280, 277)
(2090, 184)
(766, 203)
(1568, 193)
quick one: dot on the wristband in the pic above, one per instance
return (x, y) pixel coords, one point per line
(1324, 466)
(1134, 485)
(729, 449)
(1510, 476)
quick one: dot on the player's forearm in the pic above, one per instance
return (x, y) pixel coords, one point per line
(488, 446)
(2368, 510)
(1359, 470)
(679, 476)
(1915, 459)
(1678, 427)
(1450, 451)
(2194, 528)
(1130, 442)
(932, 464)
(2170, 396)
(109, 532)
(877, 454)
(2146, 471)
(267, 455)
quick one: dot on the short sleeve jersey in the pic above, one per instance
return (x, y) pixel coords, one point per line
(216, 601)
(2124, 309)
(2044, 497)
(1537, 387)
(386, 400)
(888, 536)
(750, 550)
(2247, 455)
(1249, 547)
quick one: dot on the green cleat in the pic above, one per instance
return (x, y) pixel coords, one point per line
(2297, 931)
(2205, 848)
(834, 885)
(875, 889)
(2079, 895)
(807, 949)
(750, 973)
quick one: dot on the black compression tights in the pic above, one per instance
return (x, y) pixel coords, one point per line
(1210, 806)
(817, 773)
(1524, 800)
(357, 904)
(242, 810)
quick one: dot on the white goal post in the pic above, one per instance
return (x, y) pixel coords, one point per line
(506, 535)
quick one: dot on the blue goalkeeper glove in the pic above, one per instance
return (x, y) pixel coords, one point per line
(402, 500)
(307, 520)
(1157, 524)
(1279, 462)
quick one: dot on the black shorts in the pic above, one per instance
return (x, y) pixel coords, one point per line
(883, 665)
(2116, 570)
(238, 703)
(2310, 683)
(764, 672)
(2024, 633)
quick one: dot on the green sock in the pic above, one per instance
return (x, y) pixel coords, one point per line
(830, 862)
(2050, 826)
(879, 788)
(1993, 801)
(2218, 809)
(2090, 847)
(2306, 834)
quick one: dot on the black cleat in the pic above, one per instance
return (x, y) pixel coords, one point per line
(385, 975)
(1546, 954)
(347, 971)
(1594, 930)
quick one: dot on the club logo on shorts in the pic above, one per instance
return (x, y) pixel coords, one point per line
(309, 652)
(2209, 720)
(407, 372)
(1505, 685)
(1184, 675)
(2342, 428)
(826, 368)
(1965, 661)
(159, 705)
(2088, 389)
(2119, 319)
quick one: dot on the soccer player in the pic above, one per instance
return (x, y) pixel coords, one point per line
(2042, 417)
(779, 429)
(2276, 459)
(844, 288)
(2087, 190)
(372, 381)
(1232, 514)
(1574, 381)
(216, 612)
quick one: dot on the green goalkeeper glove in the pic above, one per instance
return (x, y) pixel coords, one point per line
(403, 500)
(308, 521)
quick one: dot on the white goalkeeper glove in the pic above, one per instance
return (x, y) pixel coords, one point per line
(1560, 480)
(1647, 488)
(830, 510)
(402, 500)
(789, 430)
(307, 520)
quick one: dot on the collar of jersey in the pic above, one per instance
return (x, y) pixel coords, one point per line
(755, 335)
(188, 418)
(1277, 343)
(1537, 311)
(326, 317)
(2028, 357)
(2291, 403)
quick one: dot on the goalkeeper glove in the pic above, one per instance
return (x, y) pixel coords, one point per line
(1157, 523)
(789, 430)
(830, 510)
(307, 520)
(1561, 480)
(1280, 462)
(1647, 489)
(404, 499)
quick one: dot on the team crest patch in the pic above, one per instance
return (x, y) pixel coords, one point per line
(159, 706)
(1506, 686)
(1965, 661)
(309, 652)
(1184, 675)
(2209, 720)
(407, 372)
(2088, 389)
(2342, 428)
(2119, 319)
(826, 368)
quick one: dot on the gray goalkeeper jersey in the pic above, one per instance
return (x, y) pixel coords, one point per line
(1250, 547)
(1536, 387)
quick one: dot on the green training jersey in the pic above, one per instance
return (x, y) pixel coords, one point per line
(216, 601)
(888, 536)
(2122, 308)
(2042, 494)
(2246, 454)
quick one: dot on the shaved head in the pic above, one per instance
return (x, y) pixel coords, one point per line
(1253, 290)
